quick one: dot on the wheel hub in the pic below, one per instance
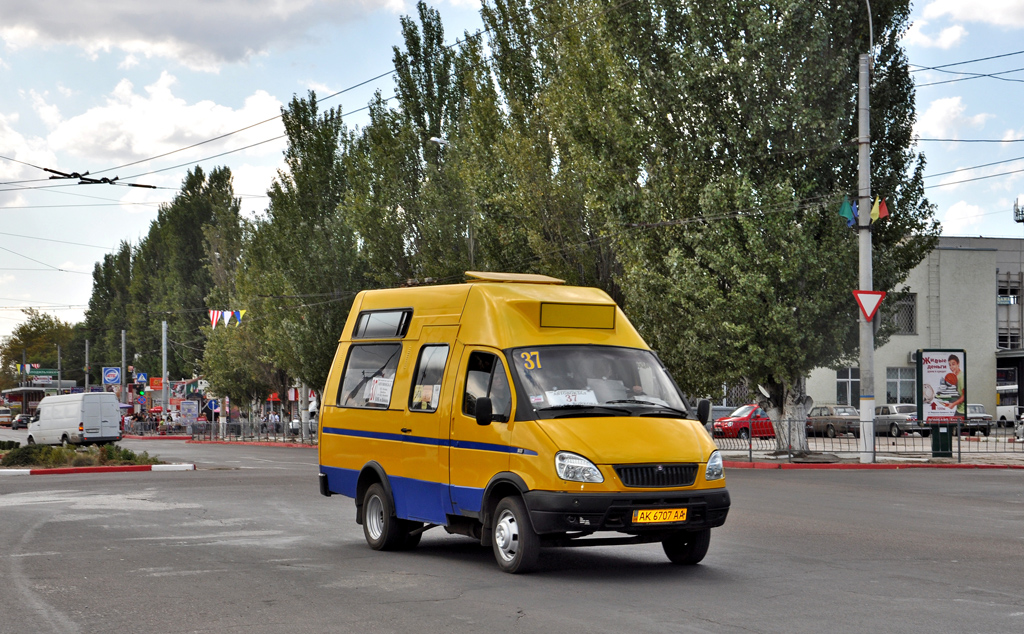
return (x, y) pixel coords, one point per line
(506, 536)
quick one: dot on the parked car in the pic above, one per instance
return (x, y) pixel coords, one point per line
(21, 421)
(977, 419)
(898, 419)
(742, 420)
(718, 411)
(832, 420)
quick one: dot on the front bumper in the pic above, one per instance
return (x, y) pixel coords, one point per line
(559, 512)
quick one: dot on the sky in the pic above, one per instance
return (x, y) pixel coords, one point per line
(115, 84)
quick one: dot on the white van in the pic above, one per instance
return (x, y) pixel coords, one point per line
(79, 419)
(5, 416)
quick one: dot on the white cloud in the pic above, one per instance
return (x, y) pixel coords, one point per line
(960, 217)
(49, 113)
(132, 126)
(1005, 13)
(4, 279)
(129, 61)
(947, 38)
(945, 117)
(26, 150)
(197, 33)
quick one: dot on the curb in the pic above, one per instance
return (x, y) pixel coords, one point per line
(164, 437)
(251, 443)
(848, 466)
(119, 469)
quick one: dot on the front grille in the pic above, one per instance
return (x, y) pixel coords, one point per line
(657, 475)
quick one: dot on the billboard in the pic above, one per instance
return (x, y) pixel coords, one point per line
(941, 385)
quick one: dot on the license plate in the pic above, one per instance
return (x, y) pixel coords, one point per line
(658, 516)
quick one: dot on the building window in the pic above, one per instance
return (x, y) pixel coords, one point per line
(900, 385)
(1009, 292)
(1008, 339)
(903, 315)
(848, 387)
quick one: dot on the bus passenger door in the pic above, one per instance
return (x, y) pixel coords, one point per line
(477, 452)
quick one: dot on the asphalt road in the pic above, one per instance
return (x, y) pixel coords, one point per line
(247, 544)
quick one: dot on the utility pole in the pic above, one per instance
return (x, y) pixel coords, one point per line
(86, 365)
(123, 395)
(60, 384)
(867, 335)
(163, 374)
(304, 411)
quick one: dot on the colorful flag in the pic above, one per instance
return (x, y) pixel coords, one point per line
(214, 318)
(874, 210)
(238, 316)
(227, 316)
(883, 211)
(847, 212)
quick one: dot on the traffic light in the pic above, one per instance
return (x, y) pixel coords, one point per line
(142, 389)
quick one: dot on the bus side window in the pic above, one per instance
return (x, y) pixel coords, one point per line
(485, 376)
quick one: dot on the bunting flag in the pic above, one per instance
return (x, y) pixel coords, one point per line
(846, 211)
(874, 210)
(214, 318)
(883, 211)
(855, 215)
(238, 316)
(227, 316)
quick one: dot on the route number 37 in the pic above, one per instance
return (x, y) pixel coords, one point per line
(531, 360)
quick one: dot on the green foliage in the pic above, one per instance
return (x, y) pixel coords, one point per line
(688, 160)
(7, 445)
(46, 456)
(36, 340)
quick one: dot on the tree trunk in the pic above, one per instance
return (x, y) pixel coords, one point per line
(790, 420)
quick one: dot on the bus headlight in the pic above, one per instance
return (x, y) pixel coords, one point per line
(715, 469)
(576, 468)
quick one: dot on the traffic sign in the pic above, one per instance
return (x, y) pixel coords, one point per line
(141, 377)
(111, 376)
(142, 399)
(869, 301)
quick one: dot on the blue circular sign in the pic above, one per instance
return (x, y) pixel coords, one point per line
(112, 375)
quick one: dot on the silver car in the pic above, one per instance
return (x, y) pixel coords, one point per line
(898, 419)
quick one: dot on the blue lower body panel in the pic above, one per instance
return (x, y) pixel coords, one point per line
(417, 500)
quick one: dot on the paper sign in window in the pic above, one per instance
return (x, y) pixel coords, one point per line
(378, 391)
(571, 397)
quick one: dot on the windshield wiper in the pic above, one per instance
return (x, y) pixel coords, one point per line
(665, 408)
(615, 411)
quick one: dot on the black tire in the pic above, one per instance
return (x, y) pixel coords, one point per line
(687, 548)
(30, 441)
(1002, 421)
(830, 431)
(894, 430)
(987, 431)
(925, 433)
(516, 546)
(64, 441)
(383, 531)
(743, 434)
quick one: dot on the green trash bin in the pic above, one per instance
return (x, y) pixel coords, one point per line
(942, 439)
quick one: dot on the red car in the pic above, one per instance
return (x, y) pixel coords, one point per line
(739, 423)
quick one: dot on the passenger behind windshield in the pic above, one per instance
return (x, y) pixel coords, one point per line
(581, 376)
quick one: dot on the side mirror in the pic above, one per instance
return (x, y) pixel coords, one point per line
(703, 411)
(484, 415)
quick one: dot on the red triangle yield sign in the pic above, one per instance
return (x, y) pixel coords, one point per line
(869, 301)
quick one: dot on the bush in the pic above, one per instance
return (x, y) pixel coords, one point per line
(6, 445)
(47, 456)
(38, 456)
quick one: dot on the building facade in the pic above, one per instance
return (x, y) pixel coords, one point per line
(964, 295)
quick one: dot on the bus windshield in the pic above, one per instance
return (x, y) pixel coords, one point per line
(580, 376)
